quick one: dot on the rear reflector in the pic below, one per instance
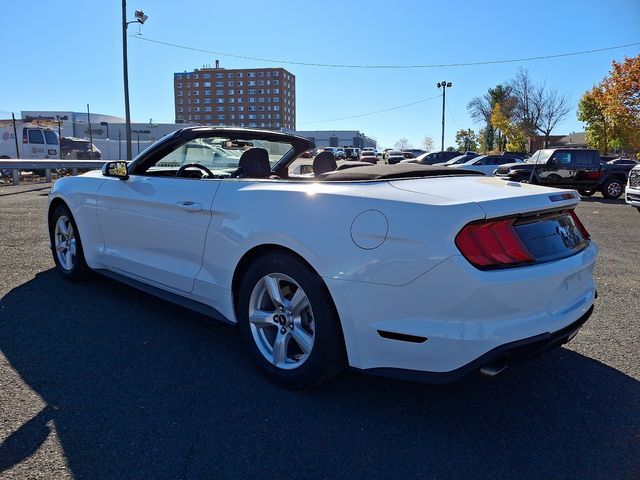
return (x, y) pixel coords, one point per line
(492, 243)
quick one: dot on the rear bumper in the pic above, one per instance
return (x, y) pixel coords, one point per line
(494, 361)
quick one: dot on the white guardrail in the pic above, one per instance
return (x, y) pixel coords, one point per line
(17, 165)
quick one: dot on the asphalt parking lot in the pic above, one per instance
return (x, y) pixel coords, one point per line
(101, 381)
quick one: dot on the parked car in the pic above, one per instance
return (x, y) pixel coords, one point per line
(368, 156)
(465, 157)
(520, 155)
(623, 161)
(486, 164)
(350, 153)
(570, 168)
(79, 149)
(394, 156)
(34, 142)
(353, 267)
(413, 152)
(632, 192)
(341, 153)
(385, 152)
(434, 158)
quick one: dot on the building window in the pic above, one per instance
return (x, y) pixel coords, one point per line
(219, 92)
(276, 82)
(219, 75)
(180, 117)
(251, 91)
(262, 116)
(208, 117)
(232, 117)
(196, 84)
(207, 84)
(206, 75)
(207, 109)
(240, 117)
(261, 92)
(251, 83)
(239, 74)
(260, 99)
(276, 99)
(261, 108)
(220, 117)
(241, 108)
(230, 84)
(196, 109)
(180, 109)
(252, 108)
(251, 74)
(207, 100)
(276, 91)
(252, 116)
(196, 100)
(232, 108)
(179, 101)
(197, 117)
(261, 74)
(239, 100)
(219, 84)
(260, 82)
(219, 100)
(230, 92)
(229, 75)
(232, 100)
(179, 85)
(240, 92)
(220, 109)
(195, 75)
(179, 93)
(276, 74)
(252, 99)
(196, 92)
(276, 108)
(239, 83)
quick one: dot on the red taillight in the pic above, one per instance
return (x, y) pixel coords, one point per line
(492, 243)
(579, 224)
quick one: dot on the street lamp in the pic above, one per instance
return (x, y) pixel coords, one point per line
(106, 124)
(140, 18)
(444, 85)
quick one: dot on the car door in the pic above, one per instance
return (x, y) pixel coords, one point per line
(33, 145)
(559, 168)
(586, 165)
(154, 228)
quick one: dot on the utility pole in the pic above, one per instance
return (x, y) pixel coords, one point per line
(90, 133)
(444, 86)
(59, 136)
(15, 134)
(127, 114)
(140, 18)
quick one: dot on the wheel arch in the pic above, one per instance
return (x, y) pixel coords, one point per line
(55, 203)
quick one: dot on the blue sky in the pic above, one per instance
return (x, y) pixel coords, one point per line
(62, 55)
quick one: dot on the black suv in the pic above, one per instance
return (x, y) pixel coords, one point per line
(569, 168)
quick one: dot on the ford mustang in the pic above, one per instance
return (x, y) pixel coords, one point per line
(413, 271)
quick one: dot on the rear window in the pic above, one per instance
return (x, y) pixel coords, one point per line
(52, 138)
(35, 136)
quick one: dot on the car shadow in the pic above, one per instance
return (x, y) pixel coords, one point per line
(613, 201)
(139, 388)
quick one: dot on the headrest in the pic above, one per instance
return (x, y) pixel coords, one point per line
(254, 163)
(324, 162)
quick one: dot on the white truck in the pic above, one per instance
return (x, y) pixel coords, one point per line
(34, 141)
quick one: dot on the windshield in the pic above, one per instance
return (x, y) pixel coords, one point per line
(541, 156)
(50, 137)
(219, 153)
(459, 159)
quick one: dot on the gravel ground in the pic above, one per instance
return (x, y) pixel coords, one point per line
(101, 381)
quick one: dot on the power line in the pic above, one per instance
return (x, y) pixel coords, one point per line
(397, 107)
(434, 65)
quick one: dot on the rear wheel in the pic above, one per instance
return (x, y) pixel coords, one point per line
(288, 322)
(586, 192)
(66, 245)
(612, 188)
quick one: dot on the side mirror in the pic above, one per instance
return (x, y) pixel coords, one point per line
(115, 169)
(554, 162)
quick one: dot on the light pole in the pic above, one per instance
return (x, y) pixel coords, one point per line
(106, 124)
(444, 86)
(140, 18)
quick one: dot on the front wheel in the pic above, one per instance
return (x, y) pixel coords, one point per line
(612, 189)
(66, 245)
(288, 322)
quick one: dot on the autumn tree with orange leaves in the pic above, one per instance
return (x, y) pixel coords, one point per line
(611, 109)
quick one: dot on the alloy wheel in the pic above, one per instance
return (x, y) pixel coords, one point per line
(281, 321)
(65, 243)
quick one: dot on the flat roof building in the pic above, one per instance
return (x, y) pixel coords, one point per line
(236, 97)
(338, 138)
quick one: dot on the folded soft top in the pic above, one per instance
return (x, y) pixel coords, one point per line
(399, 170)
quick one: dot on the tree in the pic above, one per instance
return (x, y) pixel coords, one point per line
(402, 144)
(611, 109)
(480, 109)
(466, 140)
(536, 108)
(427, 143)
(598, 129)
(512, 136)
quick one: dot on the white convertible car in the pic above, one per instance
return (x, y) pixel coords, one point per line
(404, 270)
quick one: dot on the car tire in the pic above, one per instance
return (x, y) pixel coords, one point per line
(612, 189)
(66, 245)
(288, 322)
(586, 192)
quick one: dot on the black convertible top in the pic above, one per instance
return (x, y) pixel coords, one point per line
(399, 170)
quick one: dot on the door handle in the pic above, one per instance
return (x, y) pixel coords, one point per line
(189, 206)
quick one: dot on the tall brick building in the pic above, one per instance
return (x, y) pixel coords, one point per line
(247, 97)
